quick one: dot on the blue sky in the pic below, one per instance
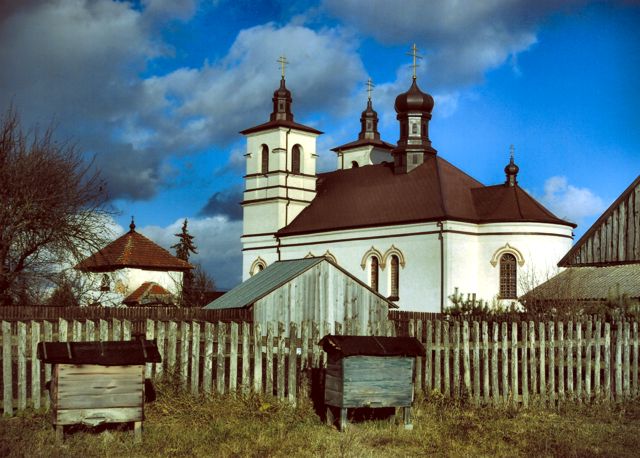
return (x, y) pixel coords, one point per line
(156, 91)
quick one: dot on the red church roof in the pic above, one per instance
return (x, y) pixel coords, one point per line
(147, 293)
(436, 190)
(132, 250)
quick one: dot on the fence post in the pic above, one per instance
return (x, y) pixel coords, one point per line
(22, 365)
(126, 330)
(618, 363)
(626, 380)
(293, 360)
(579, 343)
(552, 362)
(597, 374)
(456, 359)
(7, 369)
(587, 351)
(495, 388)
(117, 329)
(257, 358)
(635, 359)
(36, 386)
(90, 331)
(514, 363)
(561, 361)
(233, 358)
(184, 352)
(542, 359)
(48, 337)
(280, 361)
(505, 362)
(476, 362)
(428, 371)
(172, 343)
(466, 362)
(63, 330)
(436, 363)
(104, 330)
(207, 377)
(160, 341)
(569, 342)
(533, 373)
(419, 365)
(220, 357)
(525, 375)
(269, 360)
(607, 361)
(149, 335)
(195, 357)
(245, 382)
(485, 362)
(446, 371)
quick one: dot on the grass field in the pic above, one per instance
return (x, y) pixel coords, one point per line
(179, 424)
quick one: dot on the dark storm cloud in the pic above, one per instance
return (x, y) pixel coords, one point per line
(225, 203)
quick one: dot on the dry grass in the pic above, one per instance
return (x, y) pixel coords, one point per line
(179, 424)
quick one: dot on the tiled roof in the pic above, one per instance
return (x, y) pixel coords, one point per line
(374, 195)
(591, 283)
(364, 142)
(132, 250)
(148, 292)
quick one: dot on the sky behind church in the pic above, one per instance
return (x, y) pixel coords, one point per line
(157, 90)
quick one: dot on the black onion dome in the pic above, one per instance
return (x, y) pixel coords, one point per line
(282, 92)
(414, 100)
(511, 168)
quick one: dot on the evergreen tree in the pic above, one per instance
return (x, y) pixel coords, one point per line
(185, 246)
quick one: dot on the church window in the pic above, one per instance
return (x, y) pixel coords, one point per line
(414, 128)
(354, 164)
(295, 159)
(105, 283)
(369, 126)
(375, 272)
(508, 276)
(265, 159)
(395, 277)
(280, 105)
(258, 266)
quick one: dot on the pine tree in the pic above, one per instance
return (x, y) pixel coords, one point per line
(185, 246)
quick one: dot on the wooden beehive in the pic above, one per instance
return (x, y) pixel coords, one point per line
(97, 382)
(367, 371)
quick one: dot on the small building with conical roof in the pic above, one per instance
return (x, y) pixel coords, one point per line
(400, 218)
(121, 268)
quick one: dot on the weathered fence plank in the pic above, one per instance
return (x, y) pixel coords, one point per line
(570, 373)
(36, 387)
(207, 367)
(185, 333)
(607, 361)
(542, 358)
(91, 331)
(22, 365)
(428, 366)
(269, 361)
(587, 363)
(160, 342)
(222, 345)
(245, 382)
(195, 356)
(579, 344)
(514, 363)
(103, 330)
(476, 362)
(257, 358)
(149, 335)
(596, 363)
(292, 365)
(552, 362)
(126, 331)
(561, 361)
(445, 366)
(172, 344)
(466, 360)
(117, 329)
(437, 370)
(456, 359)
(495, 387)
(7, 370)
(525, 379)
(280, 361)
(233, 358)
(533, 373)
(48, 337)
(626, 361)
(63, 330)
(505, 363)
(419, 360)
(618, 364)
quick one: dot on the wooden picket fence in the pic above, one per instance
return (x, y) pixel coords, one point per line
(497, 363)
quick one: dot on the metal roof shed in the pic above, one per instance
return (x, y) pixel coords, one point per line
(309, 289)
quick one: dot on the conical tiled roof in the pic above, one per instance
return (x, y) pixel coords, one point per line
(132, 250)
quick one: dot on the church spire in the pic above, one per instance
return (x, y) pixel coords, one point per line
(282, 97)
(369, 118)
(511, 170)
(413, 110)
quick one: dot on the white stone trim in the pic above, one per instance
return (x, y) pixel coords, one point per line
(495, 259)
(372, 252)
(254, 266)
(391, 251)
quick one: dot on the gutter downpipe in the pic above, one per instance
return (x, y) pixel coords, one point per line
(286, 187)
(441, 238)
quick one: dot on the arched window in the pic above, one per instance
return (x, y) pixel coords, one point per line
(508, 277)
(375, 269)
(265, 159)
(105, 283)
(295, 159)
(395, 277)
(354, 164)
(257, 266)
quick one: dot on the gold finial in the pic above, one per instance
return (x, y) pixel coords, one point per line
(370, 87)
(282, 61)
(414, 53)
(512, 150)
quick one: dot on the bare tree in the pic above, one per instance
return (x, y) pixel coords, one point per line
(200, 286)
(52, 207)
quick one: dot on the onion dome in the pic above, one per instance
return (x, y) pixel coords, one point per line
(414, 100)
(369, 123)
(282, 103)
(511, 170)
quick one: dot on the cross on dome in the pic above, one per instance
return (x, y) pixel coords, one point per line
(414, 54)
(282, 60)
(370, 87)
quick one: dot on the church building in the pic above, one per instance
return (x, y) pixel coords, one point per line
(400, 218)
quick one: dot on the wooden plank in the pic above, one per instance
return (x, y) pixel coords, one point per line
(428, 367)
(505, 362)
(160, 342)
(485, 362)
(117, 329)
(101, 401)
(207, 366)
(607, 361)
(122, 415)
(419, 360)
(292, 366)
(466, 362)
(90, 331)
(437, 369)
(195, 357)
(456, 359)
(36, 386)
(280, 361)
(476, 362)
(222, 345)
(587, 363)
(22, 365)
(233, 358)
(63, 330)
(597, 374)
(626, 361)
(245, 382)
(634, 391)
(533, 373)
(7, 369)
(618, 363)
(149, 335)
(561, 361)
(579, 344)
(185, 337)
(514, 364)
(47, 337)
(495, 387)
(524, 356)
(103, 330)
(172, 344)
(542, 359)
(76, 331)
(552, 362)
(269, 360)
(257, 358)
(570, 373)
(446, 371)
(126, 331)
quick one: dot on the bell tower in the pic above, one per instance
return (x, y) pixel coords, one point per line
(280, 178)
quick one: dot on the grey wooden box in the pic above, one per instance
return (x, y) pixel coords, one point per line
(97, 382)
(364, 371)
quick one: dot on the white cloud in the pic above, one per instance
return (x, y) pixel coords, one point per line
(217, 240)
(570, 202)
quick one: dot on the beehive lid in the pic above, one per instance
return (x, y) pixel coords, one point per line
(110, 353)
(343, 346)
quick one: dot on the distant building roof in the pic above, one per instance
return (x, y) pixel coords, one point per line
(270, 279)
(614, 238)
(132, 250)
(590, 284)
(149, 293)
(436, 190)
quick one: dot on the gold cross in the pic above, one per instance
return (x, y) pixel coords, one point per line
(370, 87)
(414, 53)
(512, 150)
(283, 61)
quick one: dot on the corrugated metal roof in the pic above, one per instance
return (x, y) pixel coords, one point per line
(263, 283)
